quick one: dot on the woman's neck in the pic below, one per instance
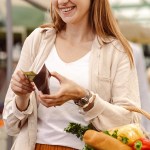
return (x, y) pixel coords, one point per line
(78, 33)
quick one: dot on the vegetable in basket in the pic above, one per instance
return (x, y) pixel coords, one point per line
(128, 133)
(141, 144)
(121, 138)
(102, 141)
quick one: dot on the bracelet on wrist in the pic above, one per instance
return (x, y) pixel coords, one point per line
(85, 101)
(90, 101)
(90, 105)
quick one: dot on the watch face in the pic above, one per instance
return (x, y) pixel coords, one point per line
(83, 101)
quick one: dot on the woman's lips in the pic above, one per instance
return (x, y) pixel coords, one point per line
(67, 10)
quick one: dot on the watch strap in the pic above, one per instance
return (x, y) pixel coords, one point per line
(84, 100)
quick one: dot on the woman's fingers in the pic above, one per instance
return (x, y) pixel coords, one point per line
(19, 77)
(52, 96)
(20, 90)
(50, 103)
(47, 101)
(18, 87)
(48, 97)
(20, 84)
(68, 90)
(59, 77)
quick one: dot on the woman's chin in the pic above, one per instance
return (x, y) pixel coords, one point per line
(69, 21)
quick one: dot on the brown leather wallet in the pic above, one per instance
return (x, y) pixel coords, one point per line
(41, 80)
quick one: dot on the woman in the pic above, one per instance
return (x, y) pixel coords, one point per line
(93, 77)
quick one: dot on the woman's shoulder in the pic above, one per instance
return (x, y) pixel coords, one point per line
(40, 30)
(115, 44)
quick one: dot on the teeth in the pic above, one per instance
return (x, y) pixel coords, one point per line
(66, 9)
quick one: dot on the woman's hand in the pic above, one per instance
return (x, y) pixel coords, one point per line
(69, 90)
(22, 87)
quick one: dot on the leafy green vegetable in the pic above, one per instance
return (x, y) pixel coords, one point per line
(115, 134)
(124, 140)
(77, 129)
(87, 147)
(107, 132)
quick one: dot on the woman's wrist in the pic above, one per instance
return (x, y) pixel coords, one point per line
(83, 99)
(81, 93)
(87, 101)
(22, 102)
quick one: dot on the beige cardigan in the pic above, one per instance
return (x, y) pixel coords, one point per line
(111, 78)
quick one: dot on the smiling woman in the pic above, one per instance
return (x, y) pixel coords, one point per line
(91, 77)
(74, 11)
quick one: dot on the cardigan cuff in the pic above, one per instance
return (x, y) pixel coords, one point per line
(98, 108)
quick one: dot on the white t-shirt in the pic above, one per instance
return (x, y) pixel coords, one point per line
(53, 120)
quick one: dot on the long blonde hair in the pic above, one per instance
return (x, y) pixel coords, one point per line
(102, 21)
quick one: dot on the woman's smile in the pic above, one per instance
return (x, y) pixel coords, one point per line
(67, 10)
(72, 11)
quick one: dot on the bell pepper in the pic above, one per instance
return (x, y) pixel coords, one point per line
(141, 144)
(131, 132)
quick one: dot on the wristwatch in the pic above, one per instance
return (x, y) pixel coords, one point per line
(84, 100)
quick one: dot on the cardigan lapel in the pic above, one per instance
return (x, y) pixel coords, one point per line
(47, 42)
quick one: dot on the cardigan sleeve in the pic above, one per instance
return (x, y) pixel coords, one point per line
(124, 92)
(13, 118)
